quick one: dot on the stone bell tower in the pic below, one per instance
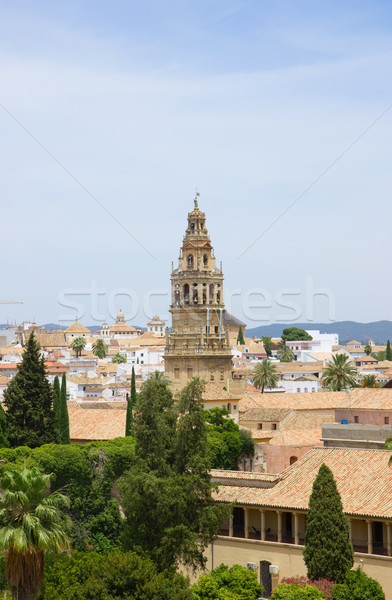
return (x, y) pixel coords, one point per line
(198, 345)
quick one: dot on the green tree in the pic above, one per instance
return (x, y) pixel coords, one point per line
(369, 381)
(4, 443)
(295, 334)
(223, 583)
(29, 398)
(78, 344)
(328, 552)
(169, 485)
(388, 352)
(285, 354)
(226, 441)
(131, 405)
(240, 337)
(265, 375)
(56, 406)
(368, 349)
(112, 576)
(100, 348)
(32, 522)
(339, 373)
(119, 358)
(267, 345)
(358, 586)
(295, 591)
(64, 416)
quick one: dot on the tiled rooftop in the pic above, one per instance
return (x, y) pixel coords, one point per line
(363, 477)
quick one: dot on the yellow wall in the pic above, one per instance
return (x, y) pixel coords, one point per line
(289, 559)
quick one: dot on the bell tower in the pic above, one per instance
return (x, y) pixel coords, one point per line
(198, 345)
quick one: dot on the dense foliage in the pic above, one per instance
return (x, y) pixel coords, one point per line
(113, 576)
(328, 552)
(226, 441)
(167, 493)
(358, 586)
(295, 591)
(236, 583)
(388, 351)
(267, 345)
(86, 474)
(29, 399)
(295, 334)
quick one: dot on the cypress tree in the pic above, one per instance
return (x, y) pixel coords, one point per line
(240, 337)
(131, 405)
(56, 406)
(328, 552)
(4, 443)
(388, 354)
(64, 417)
(29, 401)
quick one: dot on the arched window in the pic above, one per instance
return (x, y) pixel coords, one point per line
(177, 298)
(211, 293)
(293, 459)
(192, 227)
(190, 261)
(204, 294)
(186, 294)
(205, 260)
(217, 293)
(195, 294)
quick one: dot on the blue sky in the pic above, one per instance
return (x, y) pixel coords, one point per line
(141, 102)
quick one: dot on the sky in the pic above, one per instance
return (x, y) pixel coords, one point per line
(112, 114)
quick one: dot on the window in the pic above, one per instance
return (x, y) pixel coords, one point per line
(189, 372)
(190, 261)
(313, 390)
(356, 419)
(259, 425)
(298, 390)
(234, 407)
(386, 420)
(306, 389)
(274, 426)
(176, 373)
(205, 260)
(293, 459)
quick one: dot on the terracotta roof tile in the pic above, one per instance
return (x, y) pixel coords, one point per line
(363, 477)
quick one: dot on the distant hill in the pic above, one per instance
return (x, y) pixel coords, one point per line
(379, 331)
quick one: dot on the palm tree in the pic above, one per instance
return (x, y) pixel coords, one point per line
(100, 349)
(161, 377)
(339, 373)
(369, 381)
(285, 354)
(119, 358)
(32, 522)
(265, 375)
(78, 344)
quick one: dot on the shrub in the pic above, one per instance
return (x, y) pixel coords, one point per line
(296, 591)
(358, 586)
(323, 585)
(112, 576)
(236, 583)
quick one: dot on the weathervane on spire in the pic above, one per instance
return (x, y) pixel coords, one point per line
(195, 199)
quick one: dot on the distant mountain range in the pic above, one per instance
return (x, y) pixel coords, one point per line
(378, 331)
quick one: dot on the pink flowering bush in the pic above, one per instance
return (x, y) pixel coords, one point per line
(323, 585)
